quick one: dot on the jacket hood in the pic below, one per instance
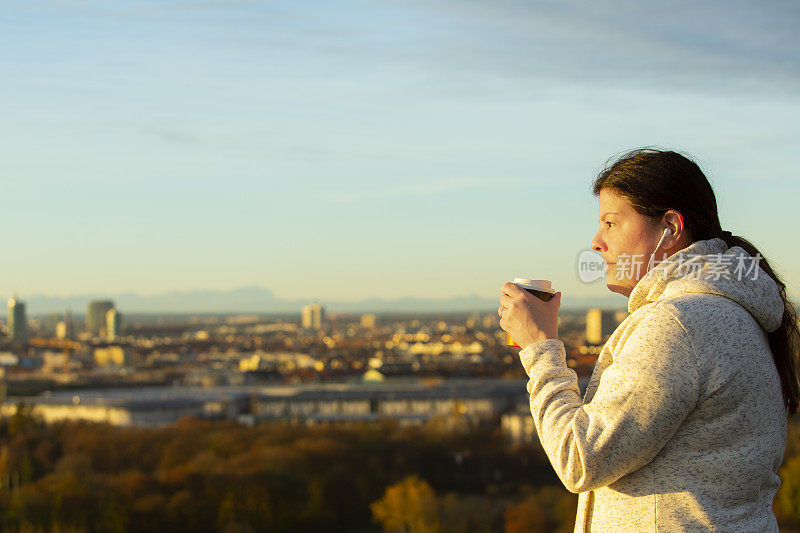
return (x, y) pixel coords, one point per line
(711, 267)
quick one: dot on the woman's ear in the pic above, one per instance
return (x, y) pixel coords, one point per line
(675, 224)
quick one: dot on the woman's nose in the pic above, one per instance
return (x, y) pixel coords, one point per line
(596, 244)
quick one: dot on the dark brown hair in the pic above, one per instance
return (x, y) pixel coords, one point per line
(655, 181)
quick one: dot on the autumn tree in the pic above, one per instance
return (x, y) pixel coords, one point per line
(548, 509)
(408, 506)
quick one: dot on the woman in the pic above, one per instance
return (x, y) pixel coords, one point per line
(683, 423)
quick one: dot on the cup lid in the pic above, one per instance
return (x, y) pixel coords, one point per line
(536, 284)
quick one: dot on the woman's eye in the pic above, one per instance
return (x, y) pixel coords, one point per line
(609, 224)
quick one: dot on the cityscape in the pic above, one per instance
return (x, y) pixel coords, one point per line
(313, 367)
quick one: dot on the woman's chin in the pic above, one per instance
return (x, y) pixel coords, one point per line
(618, 286)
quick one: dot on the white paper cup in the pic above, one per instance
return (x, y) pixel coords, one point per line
(541, 288)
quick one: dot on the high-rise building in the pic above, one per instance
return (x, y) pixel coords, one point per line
(64, 328)
(599, 324)
(17, 321)
(68, 333)
(114, 324)
(96, 316)
(313, 316)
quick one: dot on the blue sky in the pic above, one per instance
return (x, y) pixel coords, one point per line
(345, 150)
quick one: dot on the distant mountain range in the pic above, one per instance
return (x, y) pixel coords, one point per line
(262, 300)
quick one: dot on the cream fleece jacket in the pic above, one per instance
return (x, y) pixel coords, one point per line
(682, 426)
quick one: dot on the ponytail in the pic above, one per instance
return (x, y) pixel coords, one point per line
(784, 342)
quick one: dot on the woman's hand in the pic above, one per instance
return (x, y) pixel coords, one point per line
(525, 317)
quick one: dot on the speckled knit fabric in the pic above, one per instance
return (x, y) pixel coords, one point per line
(682, 426)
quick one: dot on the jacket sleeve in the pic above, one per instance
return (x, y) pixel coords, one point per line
(642, 397)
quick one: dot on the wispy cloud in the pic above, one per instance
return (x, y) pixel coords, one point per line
(670, 43)
(689, 46)
(692, 46)
(186, 6)
(177, 137)
(412, 190)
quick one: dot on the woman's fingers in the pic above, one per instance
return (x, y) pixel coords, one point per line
(506, 301)
(511, 289)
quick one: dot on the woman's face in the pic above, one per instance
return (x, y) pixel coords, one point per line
(626, 240)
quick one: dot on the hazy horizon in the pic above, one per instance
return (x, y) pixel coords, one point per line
(261, 300)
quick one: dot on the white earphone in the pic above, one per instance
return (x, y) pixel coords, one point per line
(663, 236)
(653, 255)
